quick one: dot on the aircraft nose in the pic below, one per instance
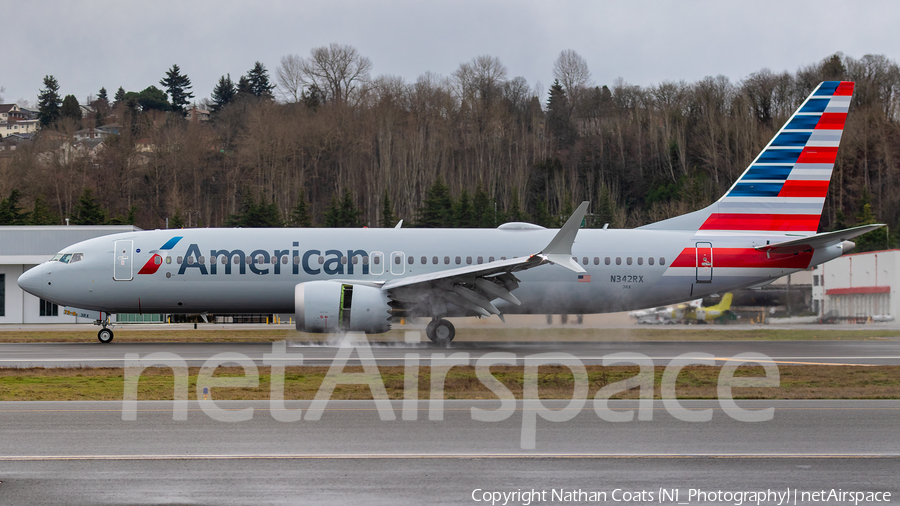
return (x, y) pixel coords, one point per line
(32, 280)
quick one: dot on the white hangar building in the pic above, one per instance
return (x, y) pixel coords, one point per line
(858, 285)
(23, 247)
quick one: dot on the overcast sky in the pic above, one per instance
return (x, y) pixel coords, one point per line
(92, 44)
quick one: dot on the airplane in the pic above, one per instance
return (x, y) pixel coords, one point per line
(764, 227)
(693, 312)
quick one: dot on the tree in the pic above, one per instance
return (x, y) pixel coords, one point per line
(178, 86)
(336, 70)
(300, 213)
(258, 81)
(437, 208)
(571, 71)
(558, 113)
(876, 239)
(543, 217)
(70, 108)
(88, 211)
(342, 212)
(119, 97)
(10, 210)
(462, 211)
(150, 98)
(244, 89)
(49, 103)
(290, 78)
(482, 214)
(514, 211)
(41, 213)
(256, 213)
(387, 211)
(223, 93)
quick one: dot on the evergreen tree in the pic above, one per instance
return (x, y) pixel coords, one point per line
(333, 213)
(178, 86)
(300, 213)
(258, 79)
(49, 103)
(177, 220)
(605, 208)
(514, 212)
(387, 211)
(103, 96)
(41, 213)
(567, 210)
(70, 108)
(312, 97)
(558, 113)
(256, 214)
(876, 239)
(462, 211)
(88, 210)
(543, 217)
(244, 89)
(437, 208)
(10, 210)
(349, 212)
(119, 97)
(149, 98)
(482, 214)
(223, 93)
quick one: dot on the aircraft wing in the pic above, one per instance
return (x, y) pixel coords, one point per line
(816, 241)
(473, 287)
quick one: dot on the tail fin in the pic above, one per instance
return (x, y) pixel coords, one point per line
(784, 188)
(725, 303)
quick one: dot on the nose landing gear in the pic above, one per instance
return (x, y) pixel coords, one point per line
(105, 335)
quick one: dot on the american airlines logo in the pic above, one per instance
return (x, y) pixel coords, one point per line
(261, 262)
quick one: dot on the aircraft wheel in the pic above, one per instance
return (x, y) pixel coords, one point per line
(105, 336)
(440, 332)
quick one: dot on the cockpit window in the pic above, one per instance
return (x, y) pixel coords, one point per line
(65, 258)
(76, 257)
(56, 257)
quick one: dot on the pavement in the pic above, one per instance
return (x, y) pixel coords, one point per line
(872, 352)
(85, 453)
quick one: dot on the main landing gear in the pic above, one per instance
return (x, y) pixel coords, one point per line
(440, 332)
(105, 335)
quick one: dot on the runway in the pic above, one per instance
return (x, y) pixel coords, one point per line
(873, 352)
(84, 453)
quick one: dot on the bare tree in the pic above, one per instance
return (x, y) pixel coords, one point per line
(572, 71)
(481, 77)
(290, 78)
(337, 70)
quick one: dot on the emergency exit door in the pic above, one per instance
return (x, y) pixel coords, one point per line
(123, 257)
(704, 262)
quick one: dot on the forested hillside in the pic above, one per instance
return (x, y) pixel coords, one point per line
(325, 143)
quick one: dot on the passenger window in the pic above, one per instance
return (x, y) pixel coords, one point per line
(607, 262)
(480, 260)
(458, 260)
(434, 260)
(502, 258)
(355, 260)
(650, 260)
(640, 260)
(397, 260)
(178, 260)
(190, 260)
(77, 257)
(584, 260)
(202, 260)
(411, 260)
(662, 260)
(237, 260)
(365, 260)
(596, 260)
(224, 260)
(156, 260)
(424, 260)
(321, 260)
(376, 260)
(446, 260)
(343, 260)
(628, 260)
(169, 260)
(618, 260)
(284, 260)
(490, 259)
(468, 260)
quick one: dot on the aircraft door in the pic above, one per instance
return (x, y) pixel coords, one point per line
(398, 263)
(377, 263)
(123, 269)
(704, 262)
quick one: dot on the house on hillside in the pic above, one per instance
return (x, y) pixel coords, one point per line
(195, 114)
(14, 120)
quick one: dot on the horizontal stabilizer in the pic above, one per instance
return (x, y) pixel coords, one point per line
(817, 241)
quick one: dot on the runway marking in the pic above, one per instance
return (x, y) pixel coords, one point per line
(450, 456)
(425, 408)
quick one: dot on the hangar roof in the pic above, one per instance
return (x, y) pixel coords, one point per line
(49, 239)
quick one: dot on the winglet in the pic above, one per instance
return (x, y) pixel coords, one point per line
(399, 224)
(559, 251)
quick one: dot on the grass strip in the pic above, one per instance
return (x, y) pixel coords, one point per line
(554, 382)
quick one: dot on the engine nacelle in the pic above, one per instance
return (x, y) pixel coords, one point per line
(330, 306)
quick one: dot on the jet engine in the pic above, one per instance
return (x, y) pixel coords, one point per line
(331, 306)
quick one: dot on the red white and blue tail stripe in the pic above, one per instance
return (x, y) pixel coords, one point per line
(784, 189)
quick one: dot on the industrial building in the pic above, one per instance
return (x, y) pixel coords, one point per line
(23, 247)
(858, 286)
